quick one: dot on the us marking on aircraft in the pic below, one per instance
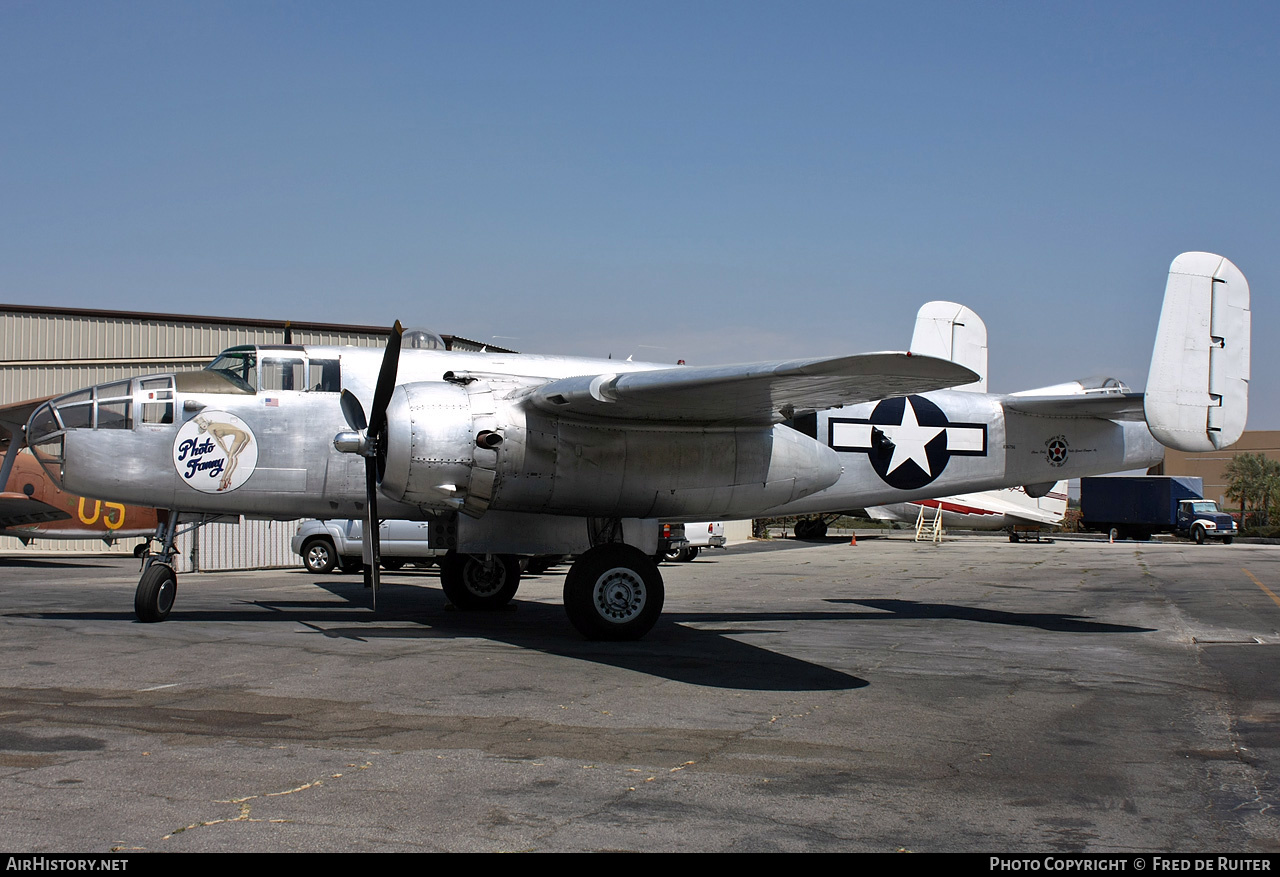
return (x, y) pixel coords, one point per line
(954, 332)
(509, 454)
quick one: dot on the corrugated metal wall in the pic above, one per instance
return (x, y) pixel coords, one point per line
(246, 545)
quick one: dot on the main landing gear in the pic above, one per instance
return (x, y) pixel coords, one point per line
(613, 592)
(479, 581)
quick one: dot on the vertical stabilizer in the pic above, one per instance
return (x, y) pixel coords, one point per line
(950, 331)
(1197, 396)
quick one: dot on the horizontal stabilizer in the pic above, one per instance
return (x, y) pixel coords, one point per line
(754, 393)
(1108, 406)
(1197, 396)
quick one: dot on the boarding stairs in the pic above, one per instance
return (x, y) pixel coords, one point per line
(929, 530)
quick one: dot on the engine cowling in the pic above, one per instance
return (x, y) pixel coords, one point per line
(429, 444)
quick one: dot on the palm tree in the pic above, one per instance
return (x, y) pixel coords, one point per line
(1253, 479)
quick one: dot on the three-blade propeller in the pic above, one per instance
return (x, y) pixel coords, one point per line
(370, 441)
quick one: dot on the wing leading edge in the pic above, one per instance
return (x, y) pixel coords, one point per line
(754, 393)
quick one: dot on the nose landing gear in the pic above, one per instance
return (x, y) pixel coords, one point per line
(158, 585)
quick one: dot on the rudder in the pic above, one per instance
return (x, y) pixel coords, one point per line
(1197, 396)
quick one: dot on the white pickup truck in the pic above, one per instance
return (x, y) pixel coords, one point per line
(705, 534)
(326, 544)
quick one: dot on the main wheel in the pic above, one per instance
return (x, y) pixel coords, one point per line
(673, 555)
(156, 591)
(470, 583)
(1197, 533)
(318, 555)
(352, 565)
(691, 553)
(613, 592)
(1226, 540)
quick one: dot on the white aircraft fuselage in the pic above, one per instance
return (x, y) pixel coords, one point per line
(932, 444)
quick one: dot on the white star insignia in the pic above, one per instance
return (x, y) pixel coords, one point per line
(909, 439)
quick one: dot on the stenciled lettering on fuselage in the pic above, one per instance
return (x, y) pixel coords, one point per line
(215, 452)
(908, 441)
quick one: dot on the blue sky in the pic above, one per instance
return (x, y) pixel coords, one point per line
(709, 181)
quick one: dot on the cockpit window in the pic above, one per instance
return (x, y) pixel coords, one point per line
(157, 400)
(75, 410)
(283, 374)
(239, 365)
(325, 376)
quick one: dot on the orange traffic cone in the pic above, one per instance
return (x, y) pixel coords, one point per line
(854, 540)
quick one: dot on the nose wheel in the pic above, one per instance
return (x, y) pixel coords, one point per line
(158, 585)
(156, 592)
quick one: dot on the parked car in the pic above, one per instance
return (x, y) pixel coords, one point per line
(324, 545)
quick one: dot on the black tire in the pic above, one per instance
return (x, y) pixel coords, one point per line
(156, 592)
(672, 555)
(318, 555)
(352, 565)
(1226, 540)
(468, 585)
(801, 528)
(392, 563)
(613, 592)
(1114, 534)
(691, 553)
(1013, 537)
(1197, 535)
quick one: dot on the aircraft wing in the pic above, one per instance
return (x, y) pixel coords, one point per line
(754, 393)
(1108, 406)
(17, 509)
(14, 416)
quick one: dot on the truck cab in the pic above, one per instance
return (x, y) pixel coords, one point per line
(1200, 519)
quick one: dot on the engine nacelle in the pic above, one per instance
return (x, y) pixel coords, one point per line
(429, 446)
(472, 446)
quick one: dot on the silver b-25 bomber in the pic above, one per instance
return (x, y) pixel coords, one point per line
(510, 455)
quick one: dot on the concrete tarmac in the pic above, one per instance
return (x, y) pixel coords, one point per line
(973, 696)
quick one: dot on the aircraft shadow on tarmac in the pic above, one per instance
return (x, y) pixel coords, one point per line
(45, 563)
(890, 610)
(672, 650)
